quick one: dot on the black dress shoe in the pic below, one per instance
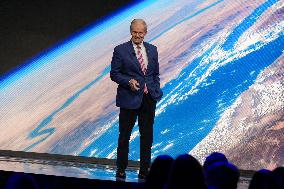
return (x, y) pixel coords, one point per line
(120, 174)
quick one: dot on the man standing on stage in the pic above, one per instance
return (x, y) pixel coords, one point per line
(135, 68)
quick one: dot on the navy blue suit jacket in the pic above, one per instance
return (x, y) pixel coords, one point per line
(125, 66)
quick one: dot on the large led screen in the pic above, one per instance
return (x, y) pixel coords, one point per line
(221, 70)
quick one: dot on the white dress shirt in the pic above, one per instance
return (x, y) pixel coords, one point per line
(143, 51)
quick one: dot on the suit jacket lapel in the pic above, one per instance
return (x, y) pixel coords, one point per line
(133, 56)
(149, 55)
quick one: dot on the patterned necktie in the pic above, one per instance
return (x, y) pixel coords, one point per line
(142, 64)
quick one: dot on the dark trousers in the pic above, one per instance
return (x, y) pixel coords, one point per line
(127, 119)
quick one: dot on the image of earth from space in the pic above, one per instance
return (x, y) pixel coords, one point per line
(222, 75)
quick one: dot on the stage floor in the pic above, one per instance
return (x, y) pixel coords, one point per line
(66, 169)
(76, 169)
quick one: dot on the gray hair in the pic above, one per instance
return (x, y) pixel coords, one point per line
(138, 21)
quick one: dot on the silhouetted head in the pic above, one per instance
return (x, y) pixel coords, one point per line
(20, 181)
(159, 172)
(261, 179)
(278, 177)
(222, 175)
(213, 158)
(186, 172)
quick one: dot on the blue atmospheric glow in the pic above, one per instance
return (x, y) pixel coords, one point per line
(62, 47)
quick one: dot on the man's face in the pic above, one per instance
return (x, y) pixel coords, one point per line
(138, 32)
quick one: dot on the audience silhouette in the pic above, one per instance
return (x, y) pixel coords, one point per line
(159, 171)
(186, 172)
(222, 175)
(213, 158)
(278, 177)
(21, 181)
(219, 172)
(262, 179)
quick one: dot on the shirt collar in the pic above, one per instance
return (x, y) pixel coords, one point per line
(141, 45)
